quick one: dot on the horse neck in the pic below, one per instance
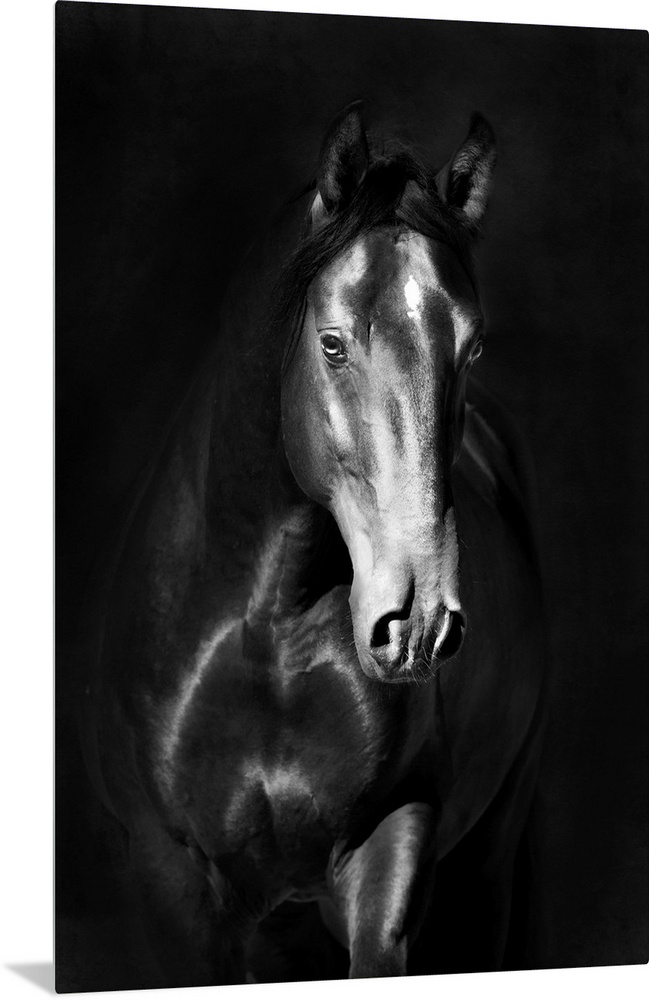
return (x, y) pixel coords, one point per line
(289, 556)
(272, 540)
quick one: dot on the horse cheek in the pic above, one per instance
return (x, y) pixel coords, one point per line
(301, 435)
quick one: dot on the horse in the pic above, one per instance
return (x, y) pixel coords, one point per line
(316, 701)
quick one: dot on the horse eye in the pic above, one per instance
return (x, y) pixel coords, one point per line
(333, 348)
(476, 352)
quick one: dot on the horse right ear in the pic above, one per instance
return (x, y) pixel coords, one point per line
(344, 158)
(465, 182)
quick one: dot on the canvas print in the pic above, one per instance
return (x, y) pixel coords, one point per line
(351, 327)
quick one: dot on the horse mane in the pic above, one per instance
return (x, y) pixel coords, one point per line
(398, 191)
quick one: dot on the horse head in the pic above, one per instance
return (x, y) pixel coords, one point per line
(374, 382)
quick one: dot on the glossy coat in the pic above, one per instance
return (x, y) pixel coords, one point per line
(320, 661)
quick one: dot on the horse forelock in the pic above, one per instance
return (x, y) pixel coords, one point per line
(396, 191)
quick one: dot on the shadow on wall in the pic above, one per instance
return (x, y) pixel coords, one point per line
(39, 973)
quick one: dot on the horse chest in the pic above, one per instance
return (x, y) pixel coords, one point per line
(280, 761)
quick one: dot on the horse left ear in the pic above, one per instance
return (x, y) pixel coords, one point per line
(465, 182)
(344, 158)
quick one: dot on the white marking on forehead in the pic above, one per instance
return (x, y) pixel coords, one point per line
(419, 257)
(413, 296)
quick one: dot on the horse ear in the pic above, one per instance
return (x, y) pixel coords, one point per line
(465, 182)
(344, 158)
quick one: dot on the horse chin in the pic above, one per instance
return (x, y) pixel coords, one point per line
(410, 672)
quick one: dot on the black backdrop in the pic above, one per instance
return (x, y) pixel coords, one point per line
(178, 132)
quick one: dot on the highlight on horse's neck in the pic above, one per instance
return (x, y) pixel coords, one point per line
(293, 530)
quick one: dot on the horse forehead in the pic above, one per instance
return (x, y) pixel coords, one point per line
(394, 269)
(419, 275)
(345, 274)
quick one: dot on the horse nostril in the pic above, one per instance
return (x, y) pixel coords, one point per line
(390, 630)
(450, 637)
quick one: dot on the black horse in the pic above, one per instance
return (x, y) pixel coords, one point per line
(318, 681)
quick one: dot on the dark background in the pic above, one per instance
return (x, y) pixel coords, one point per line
(178, 133)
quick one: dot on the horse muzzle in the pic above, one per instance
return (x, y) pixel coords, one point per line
(405, 601)
(409, 647)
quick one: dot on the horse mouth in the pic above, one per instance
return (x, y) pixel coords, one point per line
(411, 671)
